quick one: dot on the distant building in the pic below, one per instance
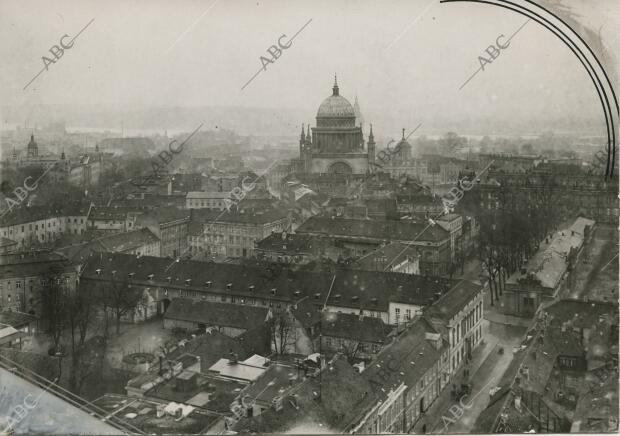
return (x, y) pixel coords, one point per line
(141, 242)
(286, 247)
(234, 233)
(214, 200)
(112, 219)
(33, 225)
(359, 237)
(170, 225)
(337, 143)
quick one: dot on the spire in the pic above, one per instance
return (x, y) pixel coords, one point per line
(308, 137)
(62, 156)
(335, 88)
(403, 134)
(370, 135)
(303, 133)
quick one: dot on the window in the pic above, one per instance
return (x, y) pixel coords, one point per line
(397, 313)
(328, 342)
(408, 314)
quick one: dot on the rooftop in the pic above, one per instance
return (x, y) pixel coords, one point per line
(374, 229)
(355, 327)
(142, 413)
(216, 314)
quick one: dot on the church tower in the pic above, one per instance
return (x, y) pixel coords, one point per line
(371, 148)
(33, 148)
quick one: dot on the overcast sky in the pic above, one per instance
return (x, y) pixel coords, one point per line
(402, 58)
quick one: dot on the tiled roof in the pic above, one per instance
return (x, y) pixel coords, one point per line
(290, 243)
(122, 242)
(211, 347)
(27, 214)
(406, 360)
(350, 326)
(326, 403)
(374, 229)
(372, 290)
(216, 314)
(454, 300)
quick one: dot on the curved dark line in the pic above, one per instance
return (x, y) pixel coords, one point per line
(589, 49)
(611, 148)
(606, 108)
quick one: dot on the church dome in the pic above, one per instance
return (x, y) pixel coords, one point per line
(335, 106)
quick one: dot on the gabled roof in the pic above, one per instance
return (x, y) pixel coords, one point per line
(406, 360)
(371, 290)
(216, 314)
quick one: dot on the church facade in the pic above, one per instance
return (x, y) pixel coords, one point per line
(336, 145)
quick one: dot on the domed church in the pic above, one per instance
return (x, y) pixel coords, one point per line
(336, 145)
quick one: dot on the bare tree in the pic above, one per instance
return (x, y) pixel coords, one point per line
(120, 298)
(281, 328)
(51, 299)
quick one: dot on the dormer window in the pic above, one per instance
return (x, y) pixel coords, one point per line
(98, 271)
(273, 291)
(251, 288)
(208, 284)
(355, 298)
(297, 293)
(130, 275)
(229, 286)
(113, 272)
(188, 282)
(169, 279)
(150, 276)
(337, 296)
(374, 300)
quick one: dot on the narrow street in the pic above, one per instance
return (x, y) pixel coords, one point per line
(487, 367)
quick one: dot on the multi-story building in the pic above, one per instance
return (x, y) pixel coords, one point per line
(395, 298)
(458, 315)
(216, 200)
(171, 226)
(112, 219)
(22, 276)
(572, 193)
(359, 237)
(141, 242)
(405, 386)
(43, 224)
(234, 233)
(453, 223)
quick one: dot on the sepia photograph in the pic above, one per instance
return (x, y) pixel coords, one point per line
(224, 217)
